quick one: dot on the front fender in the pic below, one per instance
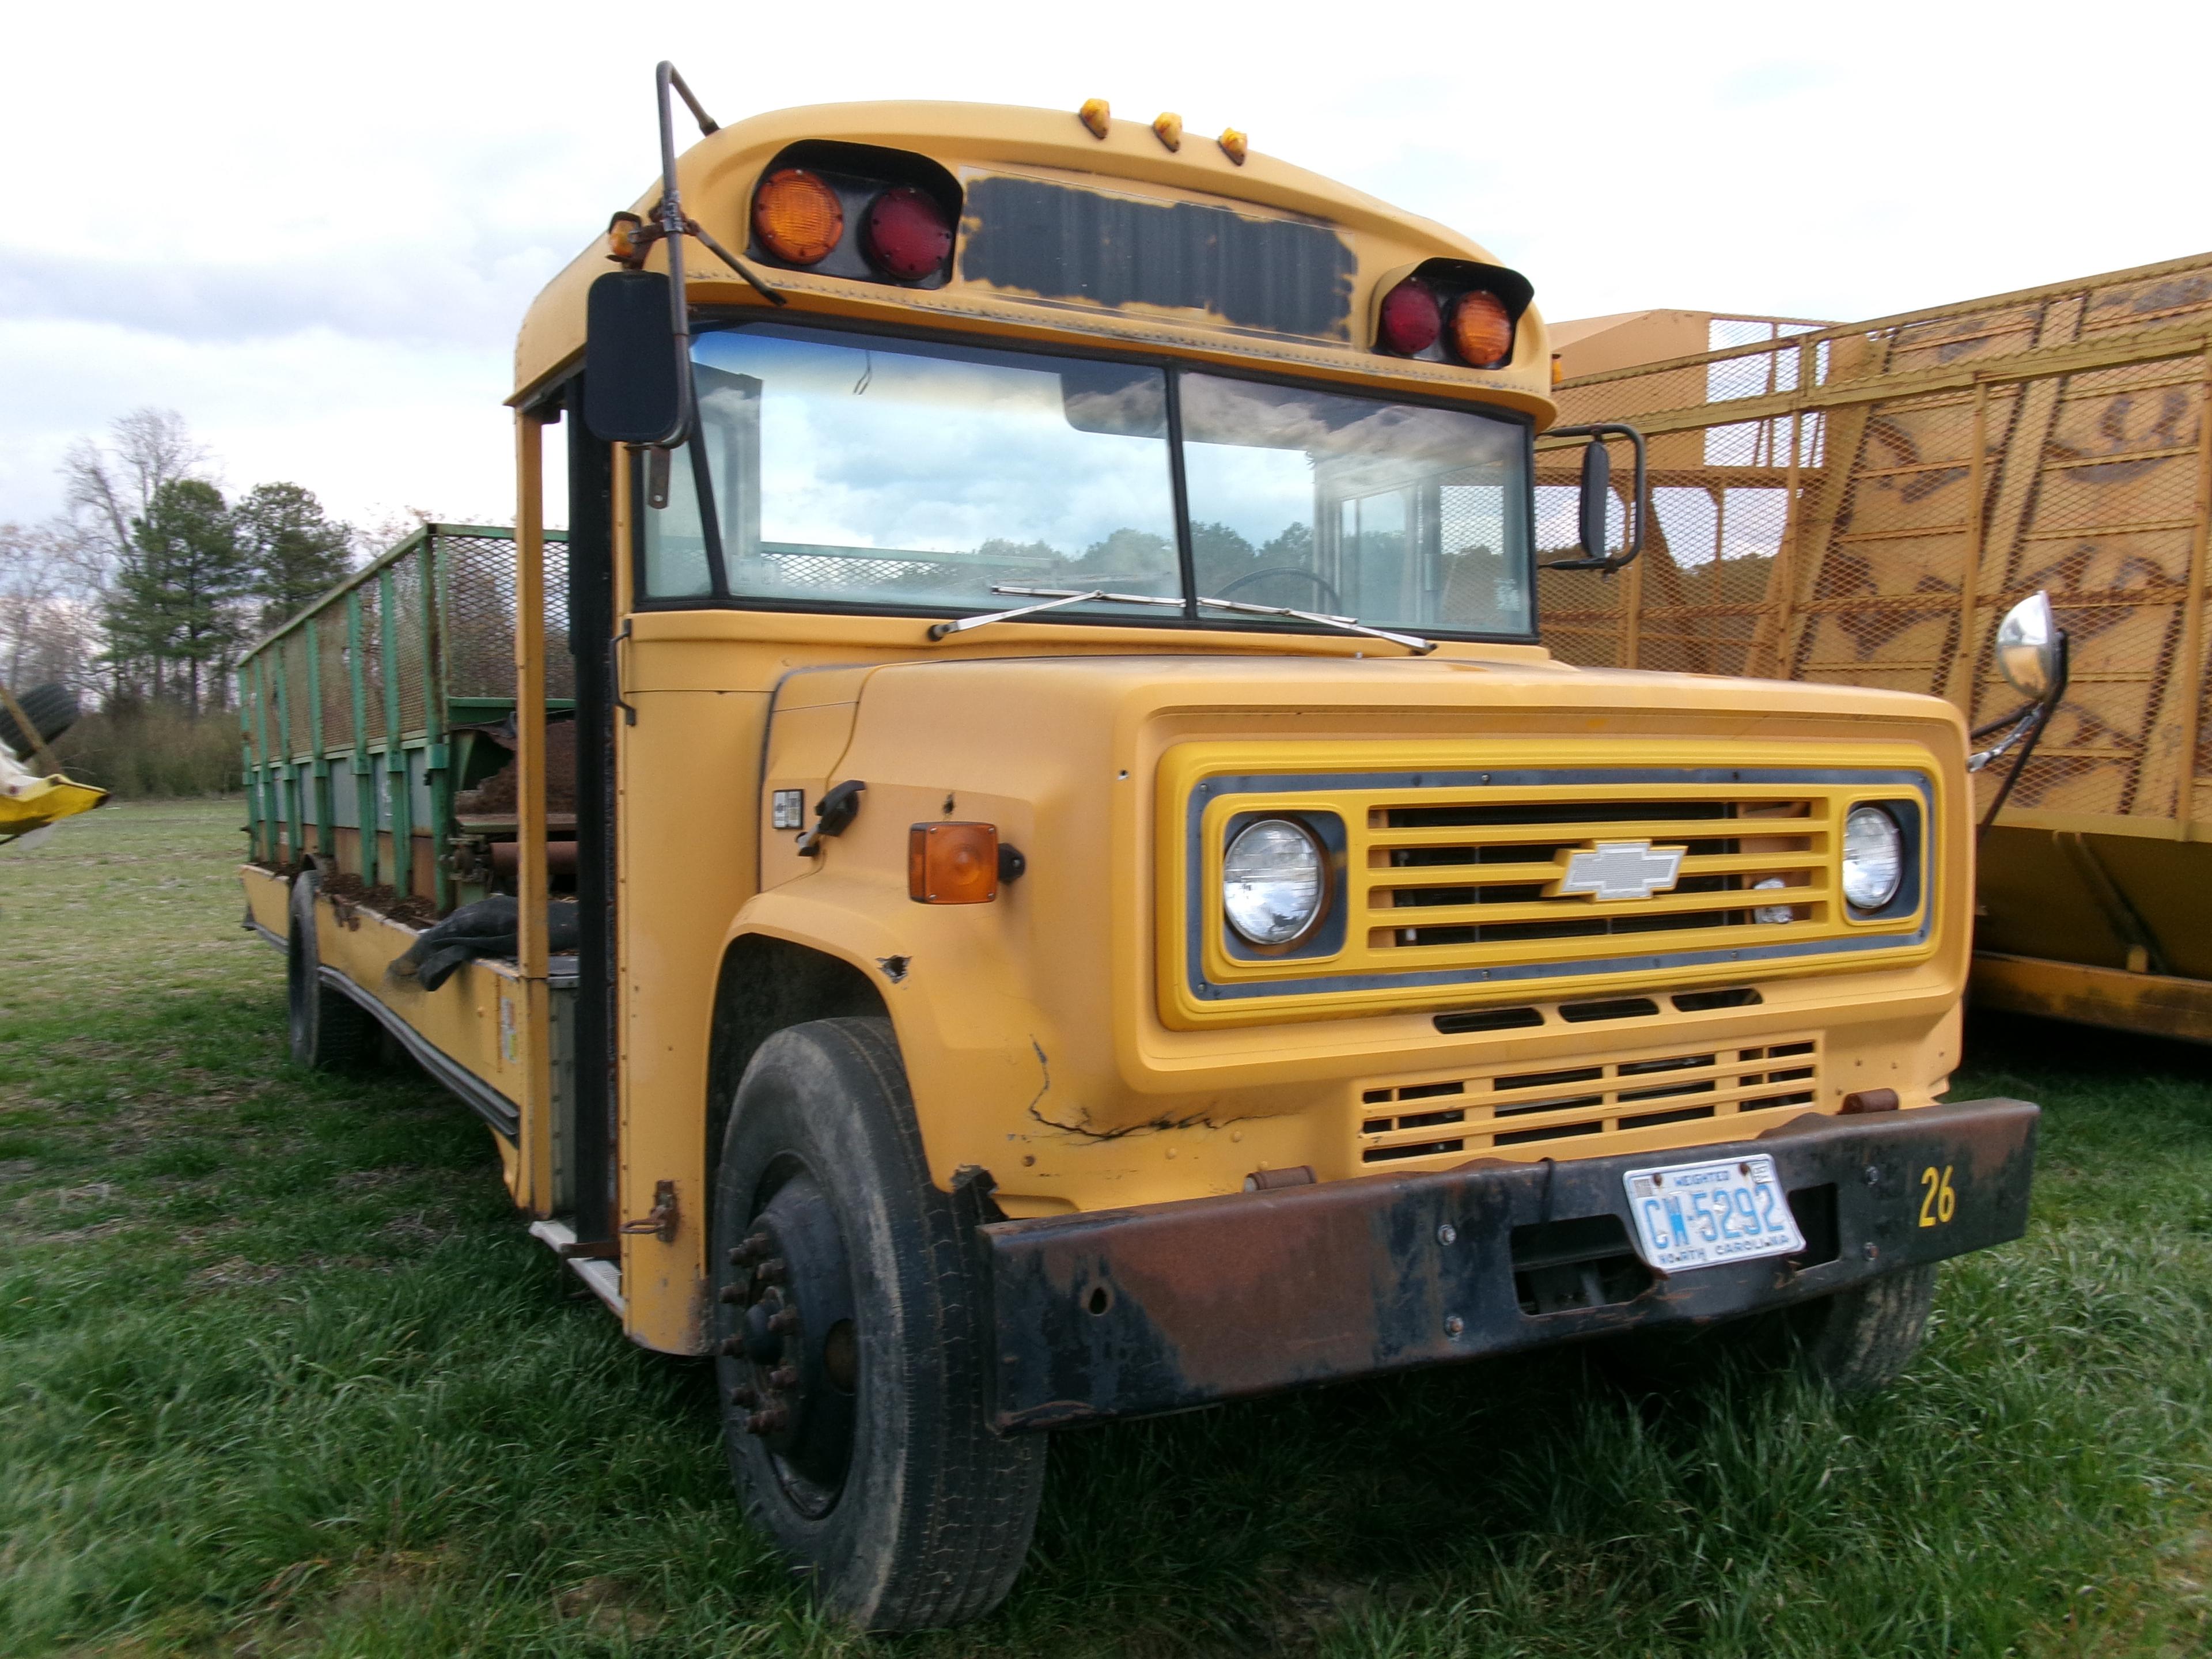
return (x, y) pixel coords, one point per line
(983, 1058)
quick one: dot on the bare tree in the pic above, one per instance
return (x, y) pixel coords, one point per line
(50, 619)
(113, 484)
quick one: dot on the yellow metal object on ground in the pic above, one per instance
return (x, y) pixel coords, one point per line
(34, 803)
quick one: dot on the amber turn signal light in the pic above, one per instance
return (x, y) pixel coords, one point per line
(797, 217)
(952, 863)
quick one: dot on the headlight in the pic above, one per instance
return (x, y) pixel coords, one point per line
(1873, 858)
(1272, 881)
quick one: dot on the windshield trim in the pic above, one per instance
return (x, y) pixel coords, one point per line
(1190, 618)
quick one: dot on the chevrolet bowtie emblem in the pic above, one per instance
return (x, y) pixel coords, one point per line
(1622, 869)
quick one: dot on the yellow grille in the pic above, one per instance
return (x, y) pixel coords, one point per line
(1475, 878)
(1464, 872)
(1457, 1118)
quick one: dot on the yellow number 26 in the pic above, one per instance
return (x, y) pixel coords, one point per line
(1941, 1203)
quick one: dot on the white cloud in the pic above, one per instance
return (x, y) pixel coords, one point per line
(311, 231)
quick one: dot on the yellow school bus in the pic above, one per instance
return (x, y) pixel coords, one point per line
(1023, 861)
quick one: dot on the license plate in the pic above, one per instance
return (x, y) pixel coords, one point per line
(1699, 1215)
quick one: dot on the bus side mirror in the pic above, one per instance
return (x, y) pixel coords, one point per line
(1593, 509)
(1596, 498)
(632, 394)
(2027, 648)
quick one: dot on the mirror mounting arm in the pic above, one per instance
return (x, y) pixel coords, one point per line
(671, 214)
(2027, 733)
(674, 226)
(1639, 505)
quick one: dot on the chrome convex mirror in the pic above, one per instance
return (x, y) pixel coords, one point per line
(2027, 648)
(2031, 654)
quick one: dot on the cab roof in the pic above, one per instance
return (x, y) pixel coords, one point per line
(977, 143)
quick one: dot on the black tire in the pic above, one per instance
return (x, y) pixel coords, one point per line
(1861, 1340)
(51, 710)
(854, 1340)
(1854, 1341)
(330, 1031)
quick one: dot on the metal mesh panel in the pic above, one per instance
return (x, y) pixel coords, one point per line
(337, 693)
(1887, 555)
(300, 728)
(479, 618)
(371, 661)
(411, 635)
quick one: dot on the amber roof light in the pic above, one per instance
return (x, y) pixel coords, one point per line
(797, 217)
(1481, 330)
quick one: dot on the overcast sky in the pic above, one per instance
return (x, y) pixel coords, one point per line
(313, 232)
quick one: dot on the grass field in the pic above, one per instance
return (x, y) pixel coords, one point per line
(281, 1374)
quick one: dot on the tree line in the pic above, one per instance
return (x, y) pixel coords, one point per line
(151, 583)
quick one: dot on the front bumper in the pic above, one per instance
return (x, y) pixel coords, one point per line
(1124, 1312)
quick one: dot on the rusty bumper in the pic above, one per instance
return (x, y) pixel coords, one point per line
(1124, 1312)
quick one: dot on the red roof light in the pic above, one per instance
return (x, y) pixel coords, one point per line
(1411, 319)
(907, 234)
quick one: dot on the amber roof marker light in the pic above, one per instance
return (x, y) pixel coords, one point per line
(1097, 115)
(1167, 126)
(1234, 145)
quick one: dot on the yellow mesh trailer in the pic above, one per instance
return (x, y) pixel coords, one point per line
(1863, 503)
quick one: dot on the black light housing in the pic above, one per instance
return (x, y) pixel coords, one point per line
(1448, 284)
(898, 212)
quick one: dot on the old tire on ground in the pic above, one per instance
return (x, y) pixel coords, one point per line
(853, 1343)
(330, 1031)
(51, 710)
(1854, 1342)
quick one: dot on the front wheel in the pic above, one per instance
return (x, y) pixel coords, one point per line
(1854, 1342)
(853, 1341)
(1861, 1340)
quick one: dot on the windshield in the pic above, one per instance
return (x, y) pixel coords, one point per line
(848, 469)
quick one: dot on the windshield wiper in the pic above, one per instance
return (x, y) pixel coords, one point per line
(1053, 599)
(1412, 642)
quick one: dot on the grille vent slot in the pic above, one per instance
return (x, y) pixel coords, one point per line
(1467, 1116)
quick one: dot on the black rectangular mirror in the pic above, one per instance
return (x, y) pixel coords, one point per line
(1596, 498)
(632, 394)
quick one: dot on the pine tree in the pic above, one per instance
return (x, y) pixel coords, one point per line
(295, 551)
(173, 606)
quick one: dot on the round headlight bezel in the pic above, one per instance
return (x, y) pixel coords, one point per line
(1870, 900)
(1247, 933)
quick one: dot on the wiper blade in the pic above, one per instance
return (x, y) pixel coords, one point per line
(1053, 599)
(1412, 642)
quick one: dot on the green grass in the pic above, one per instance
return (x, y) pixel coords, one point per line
(280, 1373)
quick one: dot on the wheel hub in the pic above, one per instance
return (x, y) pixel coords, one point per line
(789, 1350)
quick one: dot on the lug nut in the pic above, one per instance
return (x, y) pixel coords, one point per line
(773, 1271)
(768, 1421)
(785, 1322)
(752, 1249)
(732, 1293)
(746, 1397)
(784, 1376)
(730, 1347)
